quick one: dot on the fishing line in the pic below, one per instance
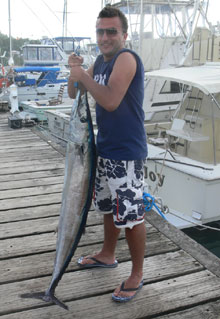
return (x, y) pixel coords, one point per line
(57, 18)
(46, 29)
(178, 162)
(52, 11)
(37, 18)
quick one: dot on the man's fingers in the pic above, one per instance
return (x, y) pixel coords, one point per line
(75, 60)
(74, 64)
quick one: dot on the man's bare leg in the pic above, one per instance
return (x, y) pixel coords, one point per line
(136, 238)
(111, 233)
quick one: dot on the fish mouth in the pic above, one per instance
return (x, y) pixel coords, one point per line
(47, 297)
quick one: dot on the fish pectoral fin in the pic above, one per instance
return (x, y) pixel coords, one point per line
(81, 153)
(84, 230)
(47, 297)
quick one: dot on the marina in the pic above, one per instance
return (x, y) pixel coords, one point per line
(181, 278)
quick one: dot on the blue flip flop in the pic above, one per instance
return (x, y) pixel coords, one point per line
(96, 263)
(122, 288)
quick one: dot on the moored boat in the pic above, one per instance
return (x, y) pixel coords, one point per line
(36, 83)
(183, 168)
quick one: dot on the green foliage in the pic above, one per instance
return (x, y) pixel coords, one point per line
(16, 46)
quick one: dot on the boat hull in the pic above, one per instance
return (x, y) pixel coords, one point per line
(189, 190)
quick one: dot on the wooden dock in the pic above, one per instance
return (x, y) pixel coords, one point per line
(181, 278)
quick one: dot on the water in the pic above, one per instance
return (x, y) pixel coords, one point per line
(208, 238)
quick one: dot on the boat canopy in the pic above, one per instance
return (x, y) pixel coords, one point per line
(205, 77)
(72, 38)
(36, 69)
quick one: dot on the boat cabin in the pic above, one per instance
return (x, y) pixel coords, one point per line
(36, 76)
(52, 52)
(195, 126)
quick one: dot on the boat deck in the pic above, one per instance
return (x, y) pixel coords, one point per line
(181, 278)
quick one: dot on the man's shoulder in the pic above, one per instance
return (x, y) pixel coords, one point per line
(129, 53)
(124, 50)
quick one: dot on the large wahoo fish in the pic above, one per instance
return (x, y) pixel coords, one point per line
(77, 194)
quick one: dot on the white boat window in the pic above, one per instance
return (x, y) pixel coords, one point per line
(30, 54)
(45, 54)
(171, 87)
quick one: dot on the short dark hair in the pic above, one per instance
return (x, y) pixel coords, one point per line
(110, 12)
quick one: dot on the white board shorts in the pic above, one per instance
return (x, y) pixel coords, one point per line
(119, 190)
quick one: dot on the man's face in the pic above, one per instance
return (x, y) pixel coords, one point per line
(110, 36)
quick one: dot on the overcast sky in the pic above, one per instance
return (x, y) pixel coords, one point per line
(37, 18)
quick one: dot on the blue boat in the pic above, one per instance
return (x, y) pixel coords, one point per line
(36, 83)
(45, 70)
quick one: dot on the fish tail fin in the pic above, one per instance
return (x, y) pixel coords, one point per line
(55, 300)
(47, 297)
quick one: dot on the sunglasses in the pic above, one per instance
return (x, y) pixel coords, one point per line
(108, 31)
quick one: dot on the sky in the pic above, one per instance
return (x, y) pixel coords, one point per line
(37, 18)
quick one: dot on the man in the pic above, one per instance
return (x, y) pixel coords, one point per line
(116, 82)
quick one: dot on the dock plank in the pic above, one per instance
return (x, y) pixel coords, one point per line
(33, 152)
(24, 169)
(29, 163)
(207, 311)
(30, 201)
(24, 145)
(41, 264)
(41, 211)
(11, 185)
(41, 154)
(41, 237)
(92, 288)
(32, 175)
(31, 191)
(25, 213)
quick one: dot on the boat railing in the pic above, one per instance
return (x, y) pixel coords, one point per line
(177, 131)
(192, 109)
(59, 97)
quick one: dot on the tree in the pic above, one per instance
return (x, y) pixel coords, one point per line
(16, 47)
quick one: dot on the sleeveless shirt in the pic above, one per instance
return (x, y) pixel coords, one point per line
(121, 133)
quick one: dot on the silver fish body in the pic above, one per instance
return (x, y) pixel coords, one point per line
(77, 193)
(78, 186)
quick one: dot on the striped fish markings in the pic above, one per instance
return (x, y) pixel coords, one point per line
(77, 193)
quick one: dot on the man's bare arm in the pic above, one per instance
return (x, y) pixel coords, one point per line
(111, 95)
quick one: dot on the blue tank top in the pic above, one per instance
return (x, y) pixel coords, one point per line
(121, 133)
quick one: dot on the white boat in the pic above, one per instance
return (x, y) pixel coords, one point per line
(37, 110)
(36, 83)
(42, 75)
(58, 119)
(45, 69)
(167, 34)
(183, 167)
(55, 52)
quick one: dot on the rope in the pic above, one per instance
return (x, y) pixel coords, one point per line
(195, 223)
(149, 202)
